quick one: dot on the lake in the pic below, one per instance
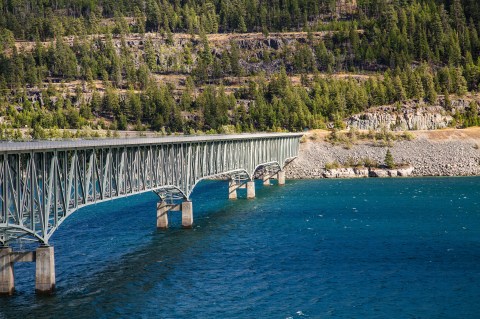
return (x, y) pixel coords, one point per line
(364, 248)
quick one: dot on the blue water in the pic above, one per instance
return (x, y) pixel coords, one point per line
(370, 248)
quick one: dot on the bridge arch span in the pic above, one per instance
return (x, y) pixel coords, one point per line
(42, 183)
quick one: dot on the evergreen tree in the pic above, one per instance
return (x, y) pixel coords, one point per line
(389, 162)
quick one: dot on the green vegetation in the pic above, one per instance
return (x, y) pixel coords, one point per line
(389, 161)
(366, 162)
(333, 165)
(382, 138)
(352, 163)
(408, 49)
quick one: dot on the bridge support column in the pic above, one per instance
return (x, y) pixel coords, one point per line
(7, 283)
(162, 215)
(45, 270)
(281, 177)
(266, 180)
(232, 189)
(250, 189)
(187, 214)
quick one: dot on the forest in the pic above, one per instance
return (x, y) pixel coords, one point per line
(405, 50)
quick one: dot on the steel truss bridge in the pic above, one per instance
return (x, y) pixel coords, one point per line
(42, 183)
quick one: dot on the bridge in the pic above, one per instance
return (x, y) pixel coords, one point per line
(44, 182)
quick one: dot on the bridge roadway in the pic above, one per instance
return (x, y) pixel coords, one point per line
(44, 182)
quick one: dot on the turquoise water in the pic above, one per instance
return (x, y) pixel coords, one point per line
(369, 248)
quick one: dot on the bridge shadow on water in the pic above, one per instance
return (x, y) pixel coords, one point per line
(115, 276)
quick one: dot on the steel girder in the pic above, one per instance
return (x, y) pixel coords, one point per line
(40, 188)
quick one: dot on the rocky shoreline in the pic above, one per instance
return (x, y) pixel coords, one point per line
(353, 172)
(451, 154)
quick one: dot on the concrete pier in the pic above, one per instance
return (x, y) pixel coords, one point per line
(281, 177)
(45, 270)
(232, 189)
(7, 284)
(266, 180)
(162, 215)
(250, 189)
(187, 214)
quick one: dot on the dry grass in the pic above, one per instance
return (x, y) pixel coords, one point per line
(472, 133)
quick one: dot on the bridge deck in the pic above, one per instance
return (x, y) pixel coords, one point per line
(140, 141)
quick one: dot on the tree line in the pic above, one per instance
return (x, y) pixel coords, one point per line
(411, 49)
(275, 104)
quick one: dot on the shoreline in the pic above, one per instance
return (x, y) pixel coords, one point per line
(452, 152)
(383, 178)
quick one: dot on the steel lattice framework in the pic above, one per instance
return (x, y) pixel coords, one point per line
(42, 183)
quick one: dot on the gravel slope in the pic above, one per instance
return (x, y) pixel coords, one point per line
(453, 154)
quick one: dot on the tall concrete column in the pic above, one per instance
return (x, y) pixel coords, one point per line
(45, 270)
(266, 180)
(281, 177)
(187, 214)
(250, 189)
(7, 283)
(162, 215)
(232, 189)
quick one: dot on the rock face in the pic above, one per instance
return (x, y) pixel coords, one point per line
(426, 158)
(349, 172)
(407, 118)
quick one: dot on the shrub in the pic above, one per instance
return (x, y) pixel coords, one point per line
(332, 165)
(368, 162)
(408, 136)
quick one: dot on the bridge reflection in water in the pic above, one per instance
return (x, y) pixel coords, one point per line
(42, 183)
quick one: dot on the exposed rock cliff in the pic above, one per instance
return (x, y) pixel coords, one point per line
(423, 118)
(415, 115)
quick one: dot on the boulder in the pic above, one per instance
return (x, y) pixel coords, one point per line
(392, 172)
(378, 172)
(361, 171)
(405, 171)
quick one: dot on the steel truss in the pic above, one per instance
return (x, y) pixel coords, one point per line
(42, 184)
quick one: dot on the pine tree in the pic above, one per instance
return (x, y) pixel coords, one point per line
(234, 59)
(150, 56)
(389, 162)
(399, 89)
(429, 88)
